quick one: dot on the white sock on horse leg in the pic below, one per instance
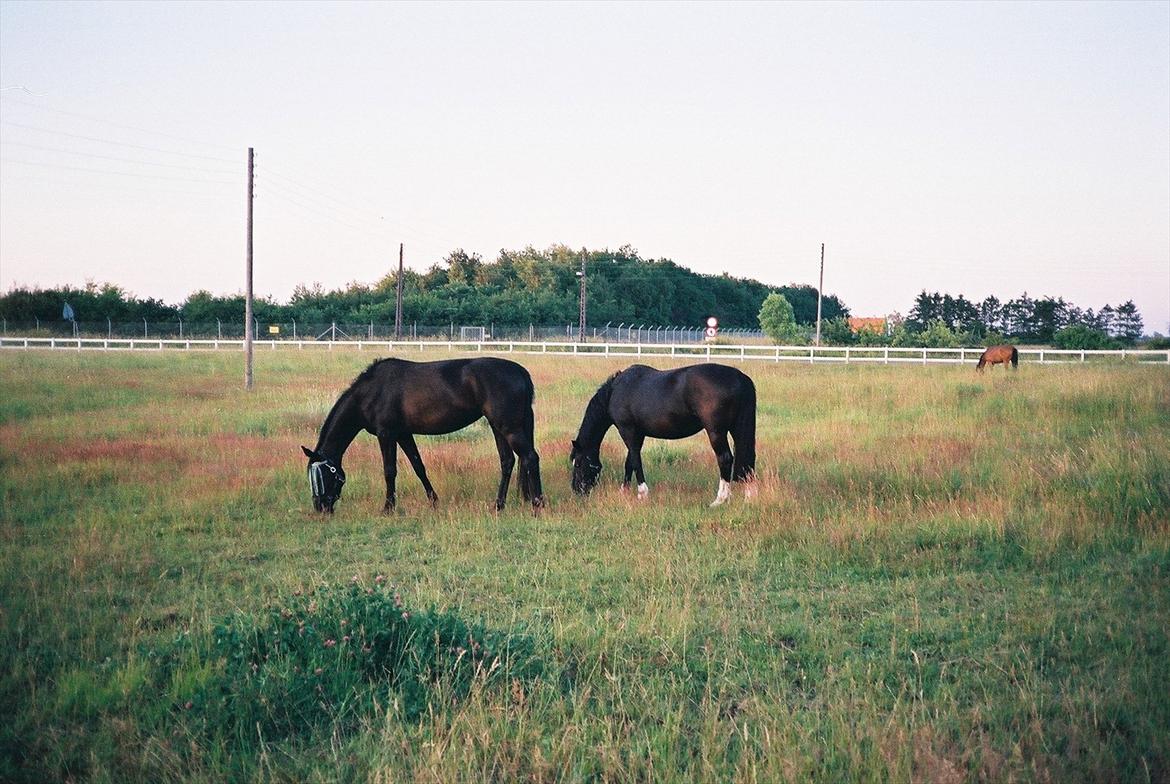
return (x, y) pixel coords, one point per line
(723, 494)
(643, 491)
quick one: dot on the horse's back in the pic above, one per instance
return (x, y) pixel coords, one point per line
(1001, 353)
(680, 402)
(444, 395)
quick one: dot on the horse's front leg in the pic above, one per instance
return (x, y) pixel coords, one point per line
(389, 449)
(634, 441)
(406, 441)
(726, 459)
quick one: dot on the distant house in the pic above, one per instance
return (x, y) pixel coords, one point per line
(875, 324)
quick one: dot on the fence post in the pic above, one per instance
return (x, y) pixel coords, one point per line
(145, 332)
(294, 329)
(1082, 355)
(1041, 356)
(886, 355)
(180, 328)
(109, 328)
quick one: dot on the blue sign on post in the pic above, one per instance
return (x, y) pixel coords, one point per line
(67, 312)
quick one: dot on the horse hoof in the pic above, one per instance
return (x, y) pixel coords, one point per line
(643, 491)
(722, 495)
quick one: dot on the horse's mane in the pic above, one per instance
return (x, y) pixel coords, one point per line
(335, 411)
(605, 390)
(598, 407)
(366, 374)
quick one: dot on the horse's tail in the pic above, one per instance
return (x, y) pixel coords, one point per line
(1015, 357)
(529, 478)
(743, 432)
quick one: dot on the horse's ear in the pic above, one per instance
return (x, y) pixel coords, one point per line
(309, 453)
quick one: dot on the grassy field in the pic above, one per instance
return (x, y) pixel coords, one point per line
(945, 578)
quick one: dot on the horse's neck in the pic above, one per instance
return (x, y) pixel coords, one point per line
(342, 425)
(596, 422)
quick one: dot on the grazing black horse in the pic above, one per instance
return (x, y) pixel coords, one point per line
(643, 402)
(393, 399)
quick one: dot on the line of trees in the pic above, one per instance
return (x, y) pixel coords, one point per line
(518, 288)
(1023, 319)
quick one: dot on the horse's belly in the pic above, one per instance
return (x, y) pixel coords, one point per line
(424, 424)
(672, 428)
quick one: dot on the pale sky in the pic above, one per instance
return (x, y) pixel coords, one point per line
(967, 148)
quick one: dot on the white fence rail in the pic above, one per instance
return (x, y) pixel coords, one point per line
(708, 351)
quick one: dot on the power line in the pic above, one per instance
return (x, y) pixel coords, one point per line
(114, 158)
(418, 233)
(318, 192)
(280, 189)
(116, 143)
(91, 118)
(117, 173)
(310, 210)
(65, 179)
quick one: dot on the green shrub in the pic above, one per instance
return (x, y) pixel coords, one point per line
(1080, 336)
(777, 319)
(837, 332)
(325, 660)
(1157, 343)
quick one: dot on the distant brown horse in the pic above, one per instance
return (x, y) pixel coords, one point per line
(995, 355)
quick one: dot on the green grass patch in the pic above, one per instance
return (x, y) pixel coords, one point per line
(945, 577)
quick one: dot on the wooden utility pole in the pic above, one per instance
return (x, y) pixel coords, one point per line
(248, 336)
(581, 314)
(820, 288)
(398, 299)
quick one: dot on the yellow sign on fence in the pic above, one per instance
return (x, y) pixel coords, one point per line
(273, 330)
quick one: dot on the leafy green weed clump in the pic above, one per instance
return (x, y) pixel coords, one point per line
(327, 658)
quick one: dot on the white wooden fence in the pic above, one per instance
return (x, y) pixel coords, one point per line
(708, 351)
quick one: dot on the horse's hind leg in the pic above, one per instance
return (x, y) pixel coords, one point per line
(507, 462)
(520, 441)
(389, 449)
(726, 460)
(406, 441)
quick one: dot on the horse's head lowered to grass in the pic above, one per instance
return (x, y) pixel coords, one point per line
(326, 478)
(586, 467)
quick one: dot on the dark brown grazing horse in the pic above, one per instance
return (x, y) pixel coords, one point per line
(995, 355)
(393, 399)
(642, 401)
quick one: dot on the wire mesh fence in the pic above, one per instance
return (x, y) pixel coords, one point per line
(341, 331)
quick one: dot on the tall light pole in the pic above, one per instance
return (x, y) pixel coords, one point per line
(581, 303)
(820, 289)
